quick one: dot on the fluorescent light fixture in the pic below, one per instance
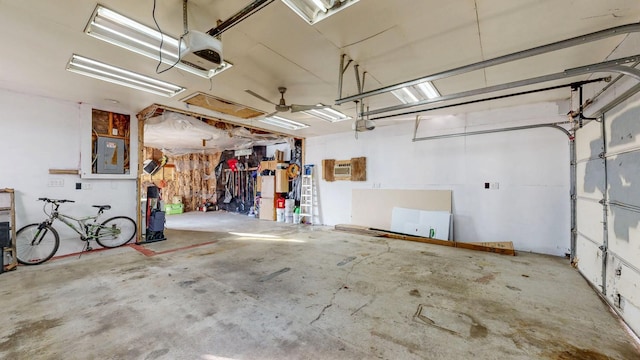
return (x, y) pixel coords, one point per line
(427, 89)
(114, 28)
(419, 92)
(313, 11)
(327, 114)
(283, 123)
(99, 70)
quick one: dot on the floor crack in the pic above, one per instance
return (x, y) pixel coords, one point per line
(346, 281)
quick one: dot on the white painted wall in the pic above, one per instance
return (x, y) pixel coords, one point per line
(37, 134)
(531, 206)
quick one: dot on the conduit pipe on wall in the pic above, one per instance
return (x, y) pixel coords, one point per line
(558, 45)
(555, 125)
(572, 162)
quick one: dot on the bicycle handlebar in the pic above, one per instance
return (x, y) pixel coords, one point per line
(55, 201)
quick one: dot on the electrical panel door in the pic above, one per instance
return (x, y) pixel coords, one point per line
(110, 156)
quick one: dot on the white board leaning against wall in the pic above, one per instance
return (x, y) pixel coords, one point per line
(374, 207)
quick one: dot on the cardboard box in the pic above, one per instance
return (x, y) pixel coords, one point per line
(268, 165)
(267, 209)
(282, 181)
(279, 155)
(268, 187)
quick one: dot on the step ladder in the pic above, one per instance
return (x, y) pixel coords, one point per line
(306, 194)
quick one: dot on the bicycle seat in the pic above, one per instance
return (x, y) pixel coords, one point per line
(102, 207)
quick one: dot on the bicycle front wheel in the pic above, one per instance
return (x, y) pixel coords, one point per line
(36, 243)
(115, 232)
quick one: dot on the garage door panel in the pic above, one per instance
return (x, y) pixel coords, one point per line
(622, 129)
(589, 142)
(589, 258)
(590, 179)
(622, 290)
(589, 217)
(623, 233)
(623, 178)
(623, 126)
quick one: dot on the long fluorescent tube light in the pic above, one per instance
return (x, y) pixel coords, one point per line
(114, 28)
(327, 114)
(419, 92)
(313, 11)
(283, 123)
(99, 70)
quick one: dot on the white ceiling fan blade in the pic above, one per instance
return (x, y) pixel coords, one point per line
(259, 96)
(296, 108)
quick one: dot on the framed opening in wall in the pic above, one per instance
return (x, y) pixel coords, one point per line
(110, 143)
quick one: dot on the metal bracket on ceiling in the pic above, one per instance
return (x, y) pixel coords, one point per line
(241, 15)
(558, 45)
(605, 66)
(359, 81)
(341, 71)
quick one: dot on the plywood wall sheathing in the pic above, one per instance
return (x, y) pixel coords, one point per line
(214, 103)
(359, 169)
(327, 169)
(192, 178)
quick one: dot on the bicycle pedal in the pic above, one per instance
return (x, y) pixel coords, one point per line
(88, 248)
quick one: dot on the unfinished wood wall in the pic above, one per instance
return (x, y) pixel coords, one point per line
(191, 176)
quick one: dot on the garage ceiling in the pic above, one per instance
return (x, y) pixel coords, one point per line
(392, 41)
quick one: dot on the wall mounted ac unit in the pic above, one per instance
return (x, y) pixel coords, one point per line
(342, 170)
(201, 51)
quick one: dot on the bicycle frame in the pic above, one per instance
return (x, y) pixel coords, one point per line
(86, 231)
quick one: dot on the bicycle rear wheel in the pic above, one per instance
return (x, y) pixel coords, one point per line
(115, 232)
(36, 243)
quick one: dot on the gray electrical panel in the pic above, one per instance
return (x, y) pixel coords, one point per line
(110, 156)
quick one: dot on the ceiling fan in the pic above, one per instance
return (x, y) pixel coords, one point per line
(282, 105)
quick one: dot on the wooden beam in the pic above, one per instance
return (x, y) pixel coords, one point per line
(64, 172)
(504, 248)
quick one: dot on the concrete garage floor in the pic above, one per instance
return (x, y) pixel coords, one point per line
(302, 292)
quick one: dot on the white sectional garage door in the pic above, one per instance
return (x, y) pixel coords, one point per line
(608, 207)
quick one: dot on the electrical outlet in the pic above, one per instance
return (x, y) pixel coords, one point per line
(86, 186)
(495, 186)
(55, 183)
